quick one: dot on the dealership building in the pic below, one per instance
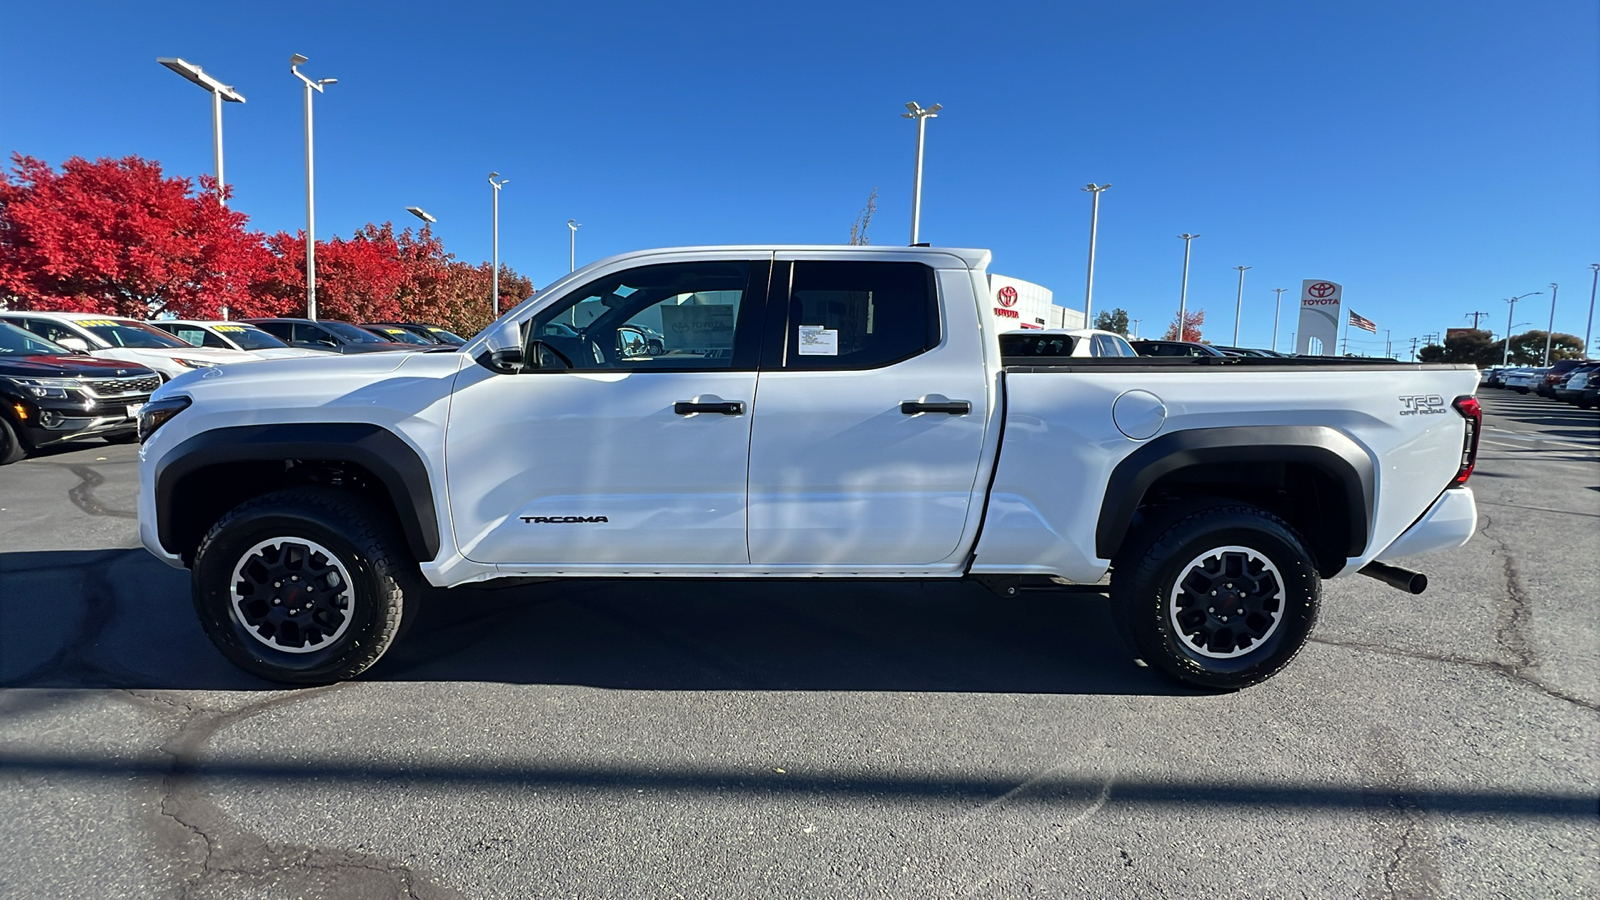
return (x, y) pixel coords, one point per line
(1015, 305)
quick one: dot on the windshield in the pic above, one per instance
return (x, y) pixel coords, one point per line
(248, 337)
(400, 335)
(350, 333)
(121, 333)
(449, 337)
(16, 342)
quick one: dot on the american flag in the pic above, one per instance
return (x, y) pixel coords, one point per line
(1363, 324)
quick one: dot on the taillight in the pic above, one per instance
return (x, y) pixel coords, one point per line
(1470, 410)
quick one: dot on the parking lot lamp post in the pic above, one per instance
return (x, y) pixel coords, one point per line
(1388, 343)
(1277, 307)
(1094, 224)
(219, 92)
(1238, 304)
(1550, 332)
(497, 185)
(922, 116)
(1183, 293)
(311, 197)
(1505, 355)
(422, 214)
(1136, 329)
(572, 244)
(1588, 329)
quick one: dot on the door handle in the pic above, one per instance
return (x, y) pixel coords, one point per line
(727, 408)
(952, 407)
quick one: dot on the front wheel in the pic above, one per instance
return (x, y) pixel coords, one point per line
(11, 446)
(305, 586)
(1219, 597)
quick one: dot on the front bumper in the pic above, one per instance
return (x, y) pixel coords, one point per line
(1447, 524)
(46, 422)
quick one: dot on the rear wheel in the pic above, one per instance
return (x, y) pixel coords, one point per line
(1218, 597)
(306, 585)
(11, 447)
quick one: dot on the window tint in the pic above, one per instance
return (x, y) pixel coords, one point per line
(281, 330)
(249, 337)
(1021, 343)
(859, 315)
(52, 331)
(669, 317)
(306, 333)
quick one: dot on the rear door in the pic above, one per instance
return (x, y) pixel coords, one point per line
(869, 418)
(633, 454)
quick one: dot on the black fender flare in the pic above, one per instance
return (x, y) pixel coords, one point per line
(1326, 449)
(382, 452)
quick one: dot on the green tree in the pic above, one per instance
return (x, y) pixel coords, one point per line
(1115, 320)
(1475, 347)
(1527, 348)
(1431, 353)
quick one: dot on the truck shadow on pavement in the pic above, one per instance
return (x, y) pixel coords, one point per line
(120, 619)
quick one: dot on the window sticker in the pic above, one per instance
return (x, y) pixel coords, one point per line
(690, 327)
(816, 340)
(95, 323)
(228, 328)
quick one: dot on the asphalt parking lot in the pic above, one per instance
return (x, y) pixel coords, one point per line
(660, 739)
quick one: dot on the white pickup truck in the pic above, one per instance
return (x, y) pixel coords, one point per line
(796, 412)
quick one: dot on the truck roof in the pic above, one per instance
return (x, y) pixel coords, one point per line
(970, 258)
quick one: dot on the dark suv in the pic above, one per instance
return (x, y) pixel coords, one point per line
(326, 334)
(48, 395)
(1174, 348)
(433, 333)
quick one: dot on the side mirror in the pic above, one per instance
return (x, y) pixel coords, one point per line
(75, 344)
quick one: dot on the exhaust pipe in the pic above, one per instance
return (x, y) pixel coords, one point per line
(1394, 576)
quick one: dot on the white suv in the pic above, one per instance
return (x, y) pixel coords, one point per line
(129, 340)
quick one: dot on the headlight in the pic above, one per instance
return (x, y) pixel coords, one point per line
(193, 363)
(155, 414)
(49, 388)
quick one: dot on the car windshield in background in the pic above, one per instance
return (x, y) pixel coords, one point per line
(249, 337)
(16, 342)
(351, 333)
(449, 337)
(401, 336)
(138, 335)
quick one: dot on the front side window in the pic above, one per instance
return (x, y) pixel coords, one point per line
(669, 317)
(859, 315)
(55, 332)
(350, 334)
(123, 333)
(15, 341)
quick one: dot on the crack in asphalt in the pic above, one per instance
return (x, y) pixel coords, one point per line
(221, 858)
(1398, 825)
(82, 494)
(69, 662)
(1505, 670)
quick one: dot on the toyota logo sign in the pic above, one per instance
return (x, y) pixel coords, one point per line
(1007, 296)
(1321, 290)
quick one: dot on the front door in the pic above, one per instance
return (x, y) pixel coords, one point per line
(870, 420)
(631, 448)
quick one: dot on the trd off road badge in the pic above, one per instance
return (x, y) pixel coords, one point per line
(1423, 405)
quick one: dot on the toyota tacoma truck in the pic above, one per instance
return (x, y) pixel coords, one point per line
(789, 412)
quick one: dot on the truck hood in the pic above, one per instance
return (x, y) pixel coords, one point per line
(165, 356)
(67, 367)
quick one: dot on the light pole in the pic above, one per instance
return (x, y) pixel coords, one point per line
(219, 92)
(311, 198)
(1505, 356)
(1183, 294)
(1550, 331)
(1588, 329)
(1136, 329)
(1388, 343)
(922, 116)
(1238, 304)
(572, 245)
(1094, 224)
(1277, 307)
(422, 214)
(497, 185)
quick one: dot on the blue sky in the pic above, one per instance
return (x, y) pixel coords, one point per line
(1435, 158)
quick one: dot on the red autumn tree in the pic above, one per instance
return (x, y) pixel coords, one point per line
(1192, 320)
(358, 280)
(117, 237)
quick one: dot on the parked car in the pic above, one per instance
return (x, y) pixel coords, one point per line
(1494, 376)
(49, 394)
(327, 334)
(1249, 351)
(1077, 342)
(128, 340)
(1571, 389)
(888, 439)
(1524, 379)
(233, 336)
(432, 332)
(1554, 375)
(1174, 348)
(397, 335)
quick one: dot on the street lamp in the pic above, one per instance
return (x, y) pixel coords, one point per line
(1094, 222)
(497, 185)
(922, 116)
(1238, 304)
(1277, 307)
(1183, 295)
(1588, 329)
(1550, 332)
(1505, 356)
(1136, 329)
(422, 214)
(311, 199)
(572, 244)
(219, 92)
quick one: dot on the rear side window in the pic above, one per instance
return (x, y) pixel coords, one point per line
(859, 315)
(282, 330)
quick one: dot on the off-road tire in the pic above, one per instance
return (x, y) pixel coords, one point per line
(1175, 628)
(11, 447)
(382, 594)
